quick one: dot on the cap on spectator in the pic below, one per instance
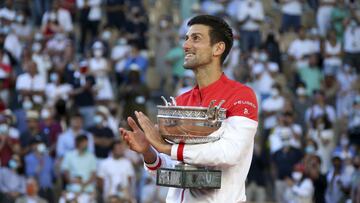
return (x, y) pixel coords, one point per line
(273, 67)
(32, 114)
(97, 45)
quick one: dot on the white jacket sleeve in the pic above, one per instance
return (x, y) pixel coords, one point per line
(235, 144)
(162, 161)
(305, 189)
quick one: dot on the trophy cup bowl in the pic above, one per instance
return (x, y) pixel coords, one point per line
(190, 125)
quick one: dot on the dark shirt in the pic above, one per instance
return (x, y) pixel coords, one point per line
(26, 139)
(320, 188)
(257, 170)
(86, 97)
(52, 131)
(285, 161)
(98, 133)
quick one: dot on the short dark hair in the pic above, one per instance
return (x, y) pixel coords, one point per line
(114, 143)
(79, 139)
(219, 31)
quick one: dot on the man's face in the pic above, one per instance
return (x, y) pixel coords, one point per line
(197, 48)
(76, 122)
(118, 150)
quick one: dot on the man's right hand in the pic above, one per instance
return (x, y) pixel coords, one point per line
(136, 138)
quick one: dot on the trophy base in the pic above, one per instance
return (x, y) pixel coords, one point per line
(186, 176)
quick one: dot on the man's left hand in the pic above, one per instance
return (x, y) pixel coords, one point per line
(152, 134)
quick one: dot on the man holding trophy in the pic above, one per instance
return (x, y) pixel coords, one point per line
(227, 159)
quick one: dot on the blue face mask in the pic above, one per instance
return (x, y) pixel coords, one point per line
(310, 149)
(75, 188)
(13, 164)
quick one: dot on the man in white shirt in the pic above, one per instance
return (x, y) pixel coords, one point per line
(31, 86)
(291, 14)
(117, 174)
(250, 16)
(301, 48)
(63, 17)
(352, 43)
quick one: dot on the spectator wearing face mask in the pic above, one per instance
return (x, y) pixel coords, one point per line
(283, 162)
(61, 15)
(99, 68)
(300, 187)
(12, 182)
(272, 106)
(31, 195)
(40, 166)
(50, 127)
(79, 169)
(352, 43)
(102, 134)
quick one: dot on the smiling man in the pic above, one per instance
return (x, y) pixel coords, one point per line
(206, 46)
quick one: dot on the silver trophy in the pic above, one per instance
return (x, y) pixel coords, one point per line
(189, 125)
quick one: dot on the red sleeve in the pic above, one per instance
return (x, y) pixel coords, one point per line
(244, 104)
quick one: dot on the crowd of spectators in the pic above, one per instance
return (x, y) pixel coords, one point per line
(72, 71)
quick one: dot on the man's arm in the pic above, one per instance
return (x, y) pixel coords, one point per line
(236, 142)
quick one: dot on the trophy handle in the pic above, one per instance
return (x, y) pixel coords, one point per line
(212, 113)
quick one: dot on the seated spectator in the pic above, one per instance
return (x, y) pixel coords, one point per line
(351, 43)
(12, 182)
(119, 53)
(332, 53)
(334, 190)
(313, 167)
(323, 16)
(40, 166)
(116, 174)
(347, 79)
(135, 58)
(79, 169)
(31, 195)
(66, 141)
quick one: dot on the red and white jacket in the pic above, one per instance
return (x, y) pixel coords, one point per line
(231, 154)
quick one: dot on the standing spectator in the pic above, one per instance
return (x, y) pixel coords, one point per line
(284, 161)
(51, 128)
(41, 58)
(320, 108)
(250, 16)
(115, 12)
(291, 14)
(302, 102)
(271, 107)
(83, 93)
(103, 136)
(119, 54)
(137, 26)
(140, 62)
(30, 85)
(334, 192)
(57, 89)
(90, 16)
(79, 169)
(33, 133)
(66, 141)
(338, 15)
(354, 122)
(323, 16)
(116, 174)
(352, 43)
(301, 48)
(63, 17)
(300, 187)
(134, 93)
(271, 45)
(311, 75)
(8, 144)
(12, 182)
(332, 53)
(22, 27)
(175, 58)
(40, 166)
(31, 195)
(318, 179)
(99, 68)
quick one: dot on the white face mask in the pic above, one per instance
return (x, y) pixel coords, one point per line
(27, 104)
(296, 176)
(274, 92)
(106, 35)
(36, 47)
(98, 53)
(98, 119)
(41, 148)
